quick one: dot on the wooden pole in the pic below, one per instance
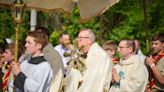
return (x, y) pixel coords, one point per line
(146, 26)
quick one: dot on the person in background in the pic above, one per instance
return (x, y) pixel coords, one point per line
(55, 60)
(110, 47)
(97, 76)
(7, 83)
(1, 65)
(138, 51)
(64, 40)
(33, 75)
(129, 75)
(156, 64)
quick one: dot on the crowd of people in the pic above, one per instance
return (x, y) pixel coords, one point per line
(44, 68)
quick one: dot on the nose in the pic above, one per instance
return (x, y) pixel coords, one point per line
(78, 39)
(26, 45)
(153, 45)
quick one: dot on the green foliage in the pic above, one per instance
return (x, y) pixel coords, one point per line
(126, 20)
(6, 26)
(72, 25)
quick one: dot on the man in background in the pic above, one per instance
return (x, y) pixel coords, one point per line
(138, 51)
(55, 60)
(156, 64)
(61, 48)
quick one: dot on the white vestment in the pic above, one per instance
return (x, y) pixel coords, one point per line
(133, 74)
(37, 76)
(141, 56)
(97, 76)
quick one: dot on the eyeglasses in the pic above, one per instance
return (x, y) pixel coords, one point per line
(80, 37)
(121, 47)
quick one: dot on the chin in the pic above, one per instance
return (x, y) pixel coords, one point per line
(79, 46)
(28, 52)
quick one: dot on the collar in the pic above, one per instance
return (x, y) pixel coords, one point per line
(130, 60)
(37, 60)
(63, 47)
(158, 56)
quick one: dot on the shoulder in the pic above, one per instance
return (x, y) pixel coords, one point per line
(161, 62)
(57, 46)
(44, 64)
(48, 47)
(162, 59)
(96, 48)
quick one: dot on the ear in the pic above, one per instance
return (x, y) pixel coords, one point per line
(39, 46)
(113, 52)
(60, 40)
(131, 50)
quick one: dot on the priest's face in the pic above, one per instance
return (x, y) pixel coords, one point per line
(31, 46)
(123, 50)
(83, 39)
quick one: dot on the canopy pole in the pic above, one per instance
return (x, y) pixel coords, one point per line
(33, 19)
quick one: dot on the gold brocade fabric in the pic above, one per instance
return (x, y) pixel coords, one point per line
(87, 8)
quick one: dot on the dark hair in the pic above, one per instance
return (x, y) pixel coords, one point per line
(1, 50)
(158, 36)
(63, 33)
(43, 30)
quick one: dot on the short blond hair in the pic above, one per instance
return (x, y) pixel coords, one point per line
(110, 45)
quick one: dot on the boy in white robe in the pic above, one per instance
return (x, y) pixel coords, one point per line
(33, 75)
(53, 57)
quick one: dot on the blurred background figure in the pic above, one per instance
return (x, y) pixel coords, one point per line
(7, 83)
(110, 47)
(1, 64)
(138, 51)
(64, 40)
(156, 64)
(8, 40)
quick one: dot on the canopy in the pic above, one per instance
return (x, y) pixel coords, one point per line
(87, 8)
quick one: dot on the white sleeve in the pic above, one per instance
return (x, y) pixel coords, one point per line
(40, 77)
